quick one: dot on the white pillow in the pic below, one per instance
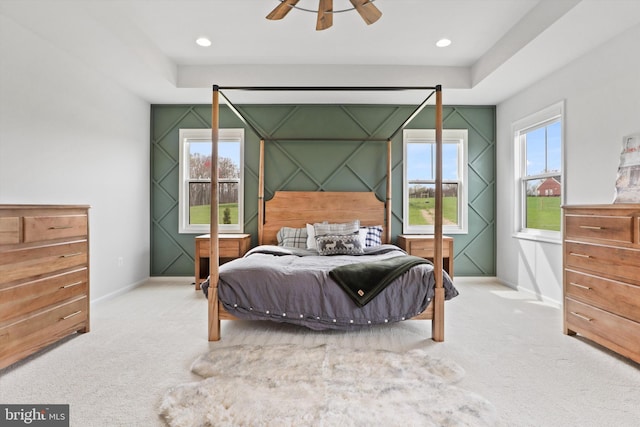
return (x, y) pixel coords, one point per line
(311, 237)
(362, 235)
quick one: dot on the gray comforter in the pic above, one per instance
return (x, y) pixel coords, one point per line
(293, 285)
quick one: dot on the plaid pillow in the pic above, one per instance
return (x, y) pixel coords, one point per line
(292, 237)
(342, 244)
(374, 236)
(342, 228)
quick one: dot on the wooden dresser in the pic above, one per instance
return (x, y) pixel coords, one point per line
(44, 277)
(601, 283)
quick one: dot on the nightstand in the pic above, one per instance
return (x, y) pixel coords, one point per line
(423, 246)
(230, 246)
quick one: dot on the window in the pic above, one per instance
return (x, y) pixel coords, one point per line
(538, 141)
(419, 180)
(195, 180)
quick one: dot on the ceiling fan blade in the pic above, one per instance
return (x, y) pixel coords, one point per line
(367, 10)
(282, 9)
(325, 15)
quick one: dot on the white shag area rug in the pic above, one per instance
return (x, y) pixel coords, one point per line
(325, 385)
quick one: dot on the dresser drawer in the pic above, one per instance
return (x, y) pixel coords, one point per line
(425, 248)
(44, 327)
(609, 295)
(228, 247)
(623, 263)
(9, 230)
(40, 261)
(615, 332)
(40, 228)
(612, 228)
(203, 248)
(31, 296)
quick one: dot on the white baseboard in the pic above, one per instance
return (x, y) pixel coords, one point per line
(507, 284)
(537, 295)
(475, 279)
(172, 279)
(188, 280)
(120, 291)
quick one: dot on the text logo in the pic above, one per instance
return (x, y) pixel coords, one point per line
(34, 415)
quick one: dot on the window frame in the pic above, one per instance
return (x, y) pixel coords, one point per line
(200, 135)
(458, 136)
(541, 119)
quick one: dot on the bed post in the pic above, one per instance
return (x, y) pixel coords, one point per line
(387, 228)
(261, 194)
(437, 324)
(214, 314)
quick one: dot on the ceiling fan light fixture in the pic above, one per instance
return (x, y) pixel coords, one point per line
(368, 12)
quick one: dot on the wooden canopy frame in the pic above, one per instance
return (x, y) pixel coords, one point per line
(438, 301)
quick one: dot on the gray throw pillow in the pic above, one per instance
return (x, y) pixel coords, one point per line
(339, 244)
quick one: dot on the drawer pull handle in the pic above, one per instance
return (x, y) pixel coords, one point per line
(68, 316)
(70, 285)
(60, 227)
(70, 255)
(592, 227)
(581, 316)
(580, 286)
(579, 255)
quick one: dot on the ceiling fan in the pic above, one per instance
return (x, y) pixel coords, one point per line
(365, 8)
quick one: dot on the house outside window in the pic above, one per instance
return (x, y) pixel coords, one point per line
(539, 189)
(195, 180)
(419, 181)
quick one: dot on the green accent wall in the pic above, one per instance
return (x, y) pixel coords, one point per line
(321, 164)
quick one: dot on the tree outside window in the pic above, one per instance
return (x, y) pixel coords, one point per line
(195, 173)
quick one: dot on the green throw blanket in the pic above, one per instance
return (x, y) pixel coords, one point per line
(363, 281)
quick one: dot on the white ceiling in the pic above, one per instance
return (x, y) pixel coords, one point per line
(499, 46)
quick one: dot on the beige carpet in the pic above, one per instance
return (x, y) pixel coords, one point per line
(511, 347)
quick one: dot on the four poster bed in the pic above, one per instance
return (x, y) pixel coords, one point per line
(325, 259)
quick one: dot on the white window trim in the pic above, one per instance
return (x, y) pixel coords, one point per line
(183, 212)
(459, 136)
(548, 114)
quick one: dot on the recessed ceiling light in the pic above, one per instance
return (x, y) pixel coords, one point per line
(203, 41)
(443, 42)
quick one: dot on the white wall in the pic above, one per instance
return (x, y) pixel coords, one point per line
(68, 135)
(601, 91)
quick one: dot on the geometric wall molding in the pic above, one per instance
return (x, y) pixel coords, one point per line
(330, 165)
